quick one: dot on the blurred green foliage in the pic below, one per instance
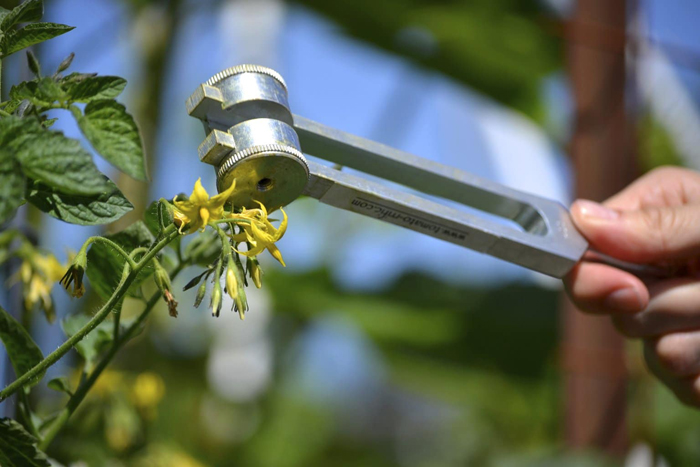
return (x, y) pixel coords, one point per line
(498, 47)
(656, 148)
(488, 357)
(484, 360)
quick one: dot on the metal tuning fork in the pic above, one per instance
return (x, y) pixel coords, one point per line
(254, 139)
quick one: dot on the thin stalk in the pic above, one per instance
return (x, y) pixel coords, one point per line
(80, 393)
(130, 261)
(225, 245)
(100, 316)
(54, 356)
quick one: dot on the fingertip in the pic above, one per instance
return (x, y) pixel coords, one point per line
(605, 229)
(592, 218)
(585, 209)
(602, 289)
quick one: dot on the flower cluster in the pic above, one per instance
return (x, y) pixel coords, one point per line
(240, 232)
(39, 271)
(249, 227)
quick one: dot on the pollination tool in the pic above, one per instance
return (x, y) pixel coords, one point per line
(254, 139)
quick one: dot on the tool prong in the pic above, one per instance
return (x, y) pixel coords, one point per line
(542, 253)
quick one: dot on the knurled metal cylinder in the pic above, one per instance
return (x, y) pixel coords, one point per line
(266, 162)
(252, 91)
(267, 165)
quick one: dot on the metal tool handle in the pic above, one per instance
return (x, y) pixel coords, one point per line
(254, 139)
(542, 237)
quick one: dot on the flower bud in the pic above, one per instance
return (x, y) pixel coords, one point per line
(75, 273)
(232, 280)
(161, 276)
(255, 272)
(216, 299)
(200, 294)
(241, 304)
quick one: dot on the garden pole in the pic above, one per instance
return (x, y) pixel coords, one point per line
(593, 356)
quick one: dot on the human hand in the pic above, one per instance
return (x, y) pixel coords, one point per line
(656, 220)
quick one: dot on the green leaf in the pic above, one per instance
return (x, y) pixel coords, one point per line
(114, 134)
(76, 77)
(49, 88)
(18, 447)
(48, 123)
(23, 352)
(42, 92)
(61, 163)
(94, 343)
(12, 183)
(3, 13)
(14, 131)
(27, 90)
(80, 209)
(31, 10)
(92, 88)
(152, 218)
(33, 33)
(105, 265)
(60, 384)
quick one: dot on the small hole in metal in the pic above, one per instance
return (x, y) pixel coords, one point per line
(265, 184)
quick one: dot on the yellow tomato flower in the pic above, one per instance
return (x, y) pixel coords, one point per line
(261, 234)
(199, 209)
(38, 274)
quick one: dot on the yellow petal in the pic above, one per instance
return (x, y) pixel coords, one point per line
(180, 220)
(54, 269)
(204, 214)
(239, 237)
(259, 235)
(255, 251)
(25, 272)
(231, 283)
(275, 252)
(219, 200)
(190, 210)
(262, 208)
(283, 226)
(199, 194)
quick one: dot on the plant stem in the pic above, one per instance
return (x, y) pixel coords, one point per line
(113, 245)
(170, 233)
(225, 243)
(59, 422)
(54, 356)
